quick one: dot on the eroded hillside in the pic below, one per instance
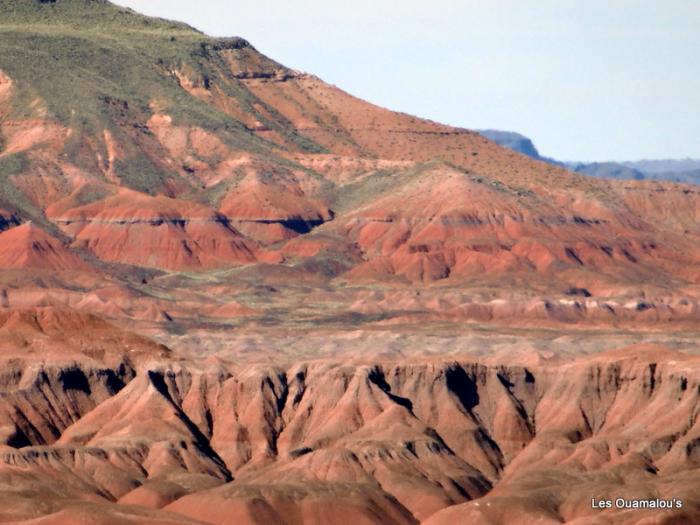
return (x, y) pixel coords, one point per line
(228, 288)
(139, 434)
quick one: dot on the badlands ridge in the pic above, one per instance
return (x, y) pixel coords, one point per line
(231, 292)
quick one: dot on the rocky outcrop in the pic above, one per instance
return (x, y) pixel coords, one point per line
(385, 442)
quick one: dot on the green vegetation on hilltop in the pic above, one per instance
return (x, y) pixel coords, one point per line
(96, 66)
(88, 15)
(77, 54)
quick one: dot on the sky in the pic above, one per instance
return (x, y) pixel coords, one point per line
(587, 80)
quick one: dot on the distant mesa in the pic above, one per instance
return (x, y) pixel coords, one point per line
(512, 140)
(674, 170)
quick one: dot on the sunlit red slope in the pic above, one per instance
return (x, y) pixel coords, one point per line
(225, 152)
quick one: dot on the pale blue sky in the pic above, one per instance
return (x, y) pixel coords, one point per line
(585, 79)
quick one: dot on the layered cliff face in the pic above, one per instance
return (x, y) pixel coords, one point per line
(322, 441)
